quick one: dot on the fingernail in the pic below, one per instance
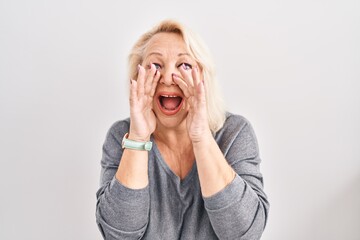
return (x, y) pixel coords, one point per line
(138, 67)
(175, 75)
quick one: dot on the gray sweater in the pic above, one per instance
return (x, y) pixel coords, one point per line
(170, 208)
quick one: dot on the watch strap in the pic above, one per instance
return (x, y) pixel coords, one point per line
(135, 145)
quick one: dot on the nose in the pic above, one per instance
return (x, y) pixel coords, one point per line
(167, 76)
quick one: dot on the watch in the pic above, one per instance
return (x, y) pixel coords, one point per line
(135, 145)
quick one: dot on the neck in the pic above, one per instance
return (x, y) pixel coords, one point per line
(175, 138)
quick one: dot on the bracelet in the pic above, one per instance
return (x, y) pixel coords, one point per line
(135, 145)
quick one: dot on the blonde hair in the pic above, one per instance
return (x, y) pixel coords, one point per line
(197, 50)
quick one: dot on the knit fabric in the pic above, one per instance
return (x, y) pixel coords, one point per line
(171, 208)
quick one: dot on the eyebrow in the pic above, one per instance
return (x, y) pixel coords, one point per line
(157, 53)
(183, 54)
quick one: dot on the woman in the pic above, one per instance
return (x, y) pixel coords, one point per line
(180, 167)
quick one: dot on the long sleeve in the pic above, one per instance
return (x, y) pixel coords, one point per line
(240, 210)
(121, 213)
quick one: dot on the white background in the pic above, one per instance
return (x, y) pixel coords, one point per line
(291, 67)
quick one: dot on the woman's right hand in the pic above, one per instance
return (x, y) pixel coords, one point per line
(142, 90)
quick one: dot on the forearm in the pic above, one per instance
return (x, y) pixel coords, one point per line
(121, 212)
(133, 169)
(214, 171)
(237, 212)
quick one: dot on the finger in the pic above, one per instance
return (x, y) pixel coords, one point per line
(154, 83)
(200, 95)
(140, 80)
(150, 75)
(195, 75)
(186, 73)
(133, 92)
(200, 92)
(186, 76)
(183, 85)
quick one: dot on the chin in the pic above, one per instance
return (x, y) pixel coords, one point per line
(177, 120)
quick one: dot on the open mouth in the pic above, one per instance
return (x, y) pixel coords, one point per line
(170, 103)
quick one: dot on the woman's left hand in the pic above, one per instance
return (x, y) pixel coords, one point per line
(192, 85)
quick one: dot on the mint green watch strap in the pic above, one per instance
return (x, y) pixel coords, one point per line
(135, 145)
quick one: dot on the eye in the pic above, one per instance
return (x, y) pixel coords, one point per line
(185, 66)
(157, 66)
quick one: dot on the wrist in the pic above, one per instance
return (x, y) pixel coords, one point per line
(138, 138)
(135, 144)
(203, 139)
(138, 135)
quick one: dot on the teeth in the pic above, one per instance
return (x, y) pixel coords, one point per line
(169, 96)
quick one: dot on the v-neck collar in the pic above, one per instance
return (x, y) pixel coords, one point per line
(168, 170)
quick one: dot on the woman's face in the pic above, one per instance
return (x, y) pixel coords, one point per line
(168, 52)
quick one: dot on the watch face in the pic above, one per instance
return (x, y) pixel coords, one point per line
(148, 146)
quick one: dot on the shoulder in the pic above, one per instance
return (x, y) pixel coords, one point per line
(234, 124)
(120, 126)
(118, 129)
(236, 133)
